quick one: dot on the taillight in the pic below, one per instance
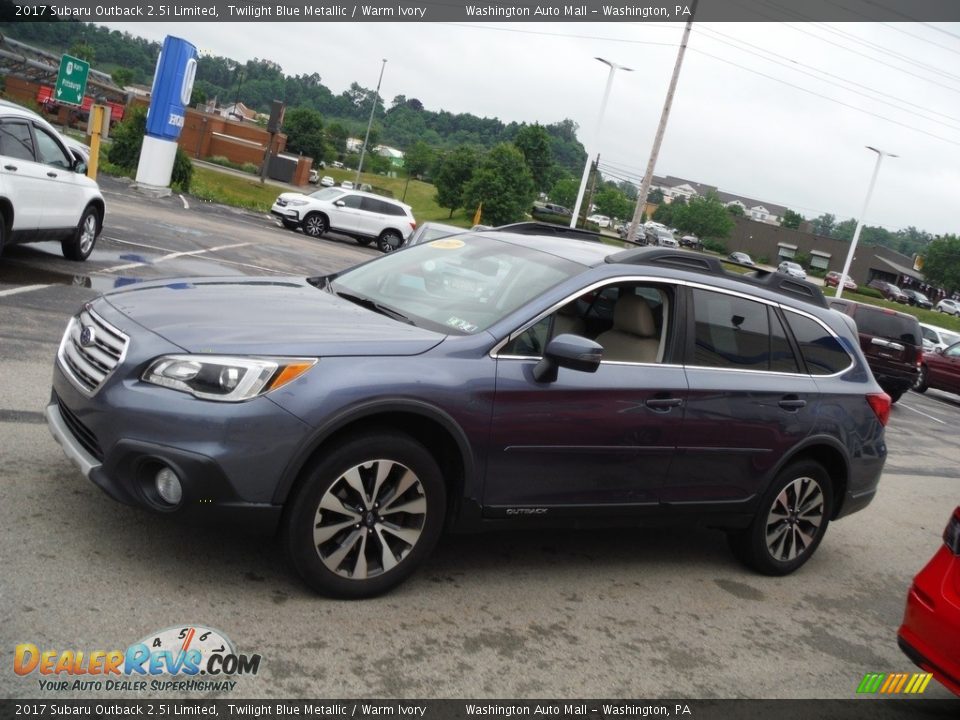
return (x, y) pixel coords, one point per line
(413, 225)
(951, 536)
(880, 403)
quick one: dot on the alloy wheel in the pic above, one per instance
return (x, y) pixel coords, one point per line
(88, 233)
(795, 519)
(369, 519)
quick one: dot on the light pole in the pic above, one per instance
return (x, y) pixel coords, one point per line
(856, 233)
(366, 139)
(595, 140)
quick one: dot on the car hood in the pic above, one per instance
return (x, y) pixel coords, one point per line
(261, 316)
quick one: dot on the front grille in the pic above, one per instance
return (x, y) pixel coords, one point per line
(81, 432)
(90, 350)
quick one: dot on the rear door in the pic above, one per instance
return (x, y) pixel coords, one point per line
(943, 370)
(749, 401)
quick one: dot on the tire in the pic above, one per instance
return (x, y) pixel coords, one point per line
(922, 384)
(389, 241)
(364, 240)
(80, 245)
(289, 224)
(783, 536)
(895, 395)
(343, 494)
(315, 225)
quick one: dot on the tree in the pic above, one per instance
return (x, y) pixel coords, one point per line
(844, 230)
(941, 262)
(705, 217)
(823, 225)
(613, 203)
(791, 219)
(304, 129)
(418, 159)
(451, 174)
(655, 196)
(735, 210)
(534, 142)
(503, 183)
(83, 50)
(564, 192)
(122, 76)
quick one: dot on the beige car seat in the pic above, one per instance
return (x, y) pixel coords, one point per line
(633, 335)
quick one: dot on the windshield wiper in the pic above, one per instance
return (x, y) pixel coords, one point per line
(375, 306)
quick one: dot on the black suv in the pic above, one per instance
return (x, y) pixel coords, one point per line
(891, 341)
(477, 381)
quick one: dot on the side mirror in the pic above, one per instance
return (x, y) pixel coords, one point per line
(938, 350)
(339, 203)
(80, 166)
(569, 351)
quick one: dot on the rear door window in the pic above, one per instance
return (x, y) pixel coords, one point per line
(16, 141)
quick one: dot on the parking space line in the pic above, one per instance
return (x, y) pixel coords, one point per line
(920, 412)
(171, 256)
(25, 288)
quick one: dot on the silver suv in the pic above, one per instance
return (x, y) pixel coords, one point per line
(44, 194)
(361, 215)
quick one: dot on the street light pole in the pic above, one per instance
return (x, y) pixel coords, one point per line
(856, 233)
(595, 140)
(366, 139)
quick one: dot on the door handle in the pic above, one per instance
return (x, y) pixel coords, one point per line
(51, 174)
(11, 168)
(663, 404)
(792, 402)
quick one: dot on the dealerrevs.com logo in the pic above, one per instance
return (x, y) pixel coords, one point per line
(185, 658)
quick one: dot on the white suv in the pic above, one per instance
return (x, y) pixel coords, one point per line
(361, 215)
(44, 194)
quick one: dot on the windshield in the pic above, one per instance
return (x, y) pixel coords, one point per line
(460, 285)
(329, 193)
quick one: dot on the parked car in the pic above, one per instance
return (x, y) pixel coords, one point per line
(327, 181)
(792, 269)
(930, 633)
(832, 279)
(552, 208)
(314, 177)
(362, 413)
(740, 257)
(661, 236)
(360, 215)
(600, 220)
(915, 297)
(940, 370)
(44, 193)
(935, 338)
(890, 340)
(888, 290)
(951, 307)
(337, 164)
(691, 241)
(347, 184)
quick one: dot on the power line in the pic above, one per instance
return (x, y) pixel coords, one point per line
(825, 97)
(892, 26)
(915, 109)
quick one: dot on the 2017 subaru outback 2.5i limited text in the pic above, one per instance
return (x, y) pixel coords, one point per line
(482, 380)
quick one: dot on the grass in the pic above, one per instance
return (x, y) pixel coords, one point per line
(228, 189)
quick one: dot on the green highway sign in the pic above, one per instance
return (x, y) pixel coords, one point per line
(71, 80)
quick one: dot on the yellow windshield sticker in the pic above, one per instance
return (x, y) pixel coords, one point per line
(447, 244)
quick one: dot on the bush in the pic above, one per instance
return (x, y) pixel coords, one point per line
(124, 152)
(249, 167)
(715, 246)
(870, 292)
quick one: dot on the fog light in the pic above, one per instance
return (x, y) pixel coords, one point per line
(168, 486)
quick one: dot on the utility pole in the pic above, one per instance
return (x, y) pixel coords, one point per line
(661, 129)
(593, 189)
(376, 95)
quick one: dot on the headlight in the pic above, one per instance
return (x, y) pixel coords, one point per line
(296, 203)
(225, 378)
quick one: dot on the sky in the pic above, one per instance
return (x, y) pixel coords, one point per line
(777, 112)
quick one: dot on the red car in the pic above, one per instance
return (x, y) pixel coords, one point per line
(930, 634)
(940, 370)
(832, 279)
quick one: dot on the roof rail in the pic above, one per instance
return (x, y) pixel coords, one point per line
(543, 228)
(695, 262)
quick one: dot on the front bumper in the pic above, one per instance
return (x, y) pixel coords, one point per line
(285, 213)
(229, 457)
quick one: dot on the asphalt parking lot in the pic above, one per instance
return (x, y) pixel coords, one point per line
(641, 613)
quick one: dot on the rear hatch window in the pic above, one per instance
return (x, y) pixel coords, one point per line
(893, 337)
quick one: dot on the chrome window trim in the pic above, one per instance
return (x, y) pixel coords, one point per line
(494, 352)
